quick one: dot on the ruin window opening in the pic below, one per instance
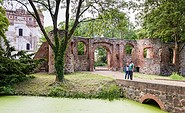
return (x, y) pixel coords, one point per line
(20, 32)
(72, 46)
(128, 49)
(171, 56)
(81, 48)
(148, 52)
(101, 58)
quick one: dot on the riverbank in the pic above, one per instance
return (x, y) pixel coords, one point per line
(77, 85)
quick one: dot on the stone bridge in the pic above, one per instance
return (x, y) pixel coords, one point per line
(170, 98)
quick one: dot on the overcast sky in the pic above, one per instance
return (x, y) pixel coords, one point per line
(61, 17)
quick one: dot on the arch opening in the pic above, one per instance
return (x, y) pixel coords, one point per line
(151, 102)
(129, 51)
(102, 59)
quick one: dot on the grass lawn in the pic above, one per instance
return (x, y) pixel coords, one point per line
(76, 84)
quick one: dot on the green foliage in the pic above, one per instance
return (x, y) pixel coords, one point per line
(101, 57)
(4, 90)
(47, 29)
(128, 49)
(15, 70)
(76, 85)
(100, 64)
(176, 76)
(164, 19)
(112, 23)
(145, 53)
(3, 23)
(110, 92)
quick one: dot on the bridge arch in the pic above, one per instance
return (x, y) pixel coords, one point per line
(148, 97)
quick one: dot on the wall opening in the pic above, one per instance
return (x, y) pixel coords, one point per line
(128, 49)
(101, 59)
(72, 46)
(151, 102)
(148, 52)
(137, 69)
(171, 56)
(81, 48)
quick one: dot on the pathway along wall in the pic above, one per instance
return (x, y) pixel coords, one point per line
(150, 56)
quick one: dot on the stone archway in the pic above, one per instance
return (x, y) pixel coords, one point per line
(147, 97)
(108, 48)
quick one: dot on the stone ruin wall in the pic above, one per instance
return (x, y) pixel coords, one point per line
(150, 64)
(157, 63)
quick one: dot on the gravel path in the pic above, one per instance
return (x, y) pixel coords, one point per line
(120, 75)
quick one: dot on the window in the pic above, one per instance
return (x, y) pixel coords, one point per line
(81, 48)
(148, 52)
(27, 46)
(128, 49)
(20, 32)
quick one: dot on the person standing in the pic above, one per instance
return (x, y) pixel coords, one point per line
(126, 69)
(131, 70)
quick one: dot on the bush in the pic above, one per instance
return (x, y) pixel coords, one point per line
(14, 70)
(112, 92)
(4, 90)
(176, 76)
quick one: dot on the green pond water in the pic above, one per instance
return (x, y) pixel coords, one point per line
(27, 104)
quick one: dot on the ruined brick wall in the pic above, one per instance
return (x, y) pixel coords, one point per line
(182, 60)
(167, 67)
(151, 63)
(150, 56)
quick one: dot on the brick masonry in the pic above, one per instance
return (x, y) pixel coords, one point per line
(157, 60)
(169, 98)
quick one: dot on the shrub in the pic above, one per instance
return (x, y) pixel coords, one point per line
(112, 92)
(176, 76)
(4, 90)
(14, 70)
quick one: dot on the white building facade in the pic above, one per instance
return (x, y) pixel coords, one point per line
(23, 32)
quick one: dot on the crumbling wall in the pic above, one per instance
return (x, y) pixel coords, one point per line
(150, 56)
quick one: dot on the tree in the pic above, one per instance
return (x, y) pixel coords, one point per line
(165, 19)
(78, 10)
(112, 23)
(4, 23)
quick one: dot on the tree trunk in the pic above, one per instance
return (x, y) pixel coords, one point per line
(59, 66)
(176, 56)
